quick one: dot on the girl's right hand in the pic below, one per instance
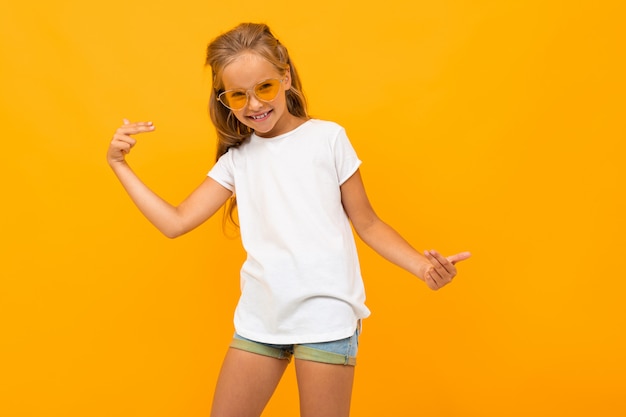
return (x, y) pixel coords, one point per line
(122, 141)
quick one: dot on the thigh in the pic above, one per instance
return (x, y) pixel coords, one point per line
(246, 383)
(325, 389)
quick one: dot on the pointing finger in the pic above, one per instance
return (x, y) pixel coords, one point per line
(459, 257)
(133, 128)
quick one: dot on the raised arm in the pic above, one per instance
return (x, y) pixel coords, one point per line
(171, 220)
(433, 268)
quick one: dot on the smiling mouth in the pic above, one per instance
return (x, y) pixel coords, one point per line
(260, 116)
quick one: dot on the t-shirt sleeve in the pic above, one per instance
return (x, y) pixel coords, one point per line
(346, 159)
(223, 171)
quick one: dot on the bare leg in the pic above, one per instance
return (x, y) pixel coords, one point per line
(325, 390)
(246, 383)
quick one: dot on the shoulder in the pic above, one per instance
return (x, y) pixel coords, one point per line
(233, 151)
(332, 138)
(325, 125)
(326, 131)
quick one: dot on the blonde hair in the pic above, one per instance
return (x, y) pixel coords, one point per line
(256, 38)
(223, 50)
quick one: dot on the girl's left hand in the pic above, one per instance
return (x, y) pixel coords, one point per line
(441, 269)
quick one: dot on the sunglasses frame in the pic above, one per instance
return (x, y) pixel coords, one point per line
(220, 95)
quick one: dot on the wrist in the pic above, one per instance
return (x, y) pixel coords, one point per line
(422, 265)
(113, 161)
(118, 165)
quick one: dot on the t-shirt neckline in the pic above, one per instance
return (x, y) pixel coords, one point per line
(257, 138)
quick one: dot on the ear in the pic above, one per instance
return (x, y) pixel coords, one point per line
(287, 79)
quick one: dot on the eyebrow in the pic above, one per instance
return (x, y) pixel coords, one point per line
(253, 85)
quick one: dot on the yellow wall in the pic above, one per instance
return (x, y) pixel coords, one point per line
(490, 126)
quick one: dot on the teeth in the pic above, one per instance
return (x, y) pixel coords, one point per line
(259, 116)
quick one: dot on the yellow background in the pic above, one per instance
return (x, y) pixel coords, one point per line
(490, 126)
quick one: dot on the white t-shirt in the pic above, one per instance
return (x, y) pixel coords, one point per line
(301, 281)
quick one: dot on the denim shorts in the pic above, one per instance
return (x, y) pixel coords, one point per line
(337, 352)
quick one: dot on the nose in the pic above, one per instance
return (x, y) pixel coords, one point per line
(253, 102)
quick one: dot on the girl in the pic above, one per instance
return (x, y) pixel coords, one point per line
(298, 189)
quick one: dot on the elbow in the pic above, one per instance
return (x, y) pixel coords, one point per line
(170, 234)
(174, 226)
(173, 231)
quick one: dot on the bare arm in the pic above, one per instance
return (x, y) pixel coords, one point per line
(434, 269)
(171, 220)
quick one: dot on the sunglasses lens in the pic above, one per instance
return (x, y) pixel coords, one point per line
(237, 99)
(267, 90)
